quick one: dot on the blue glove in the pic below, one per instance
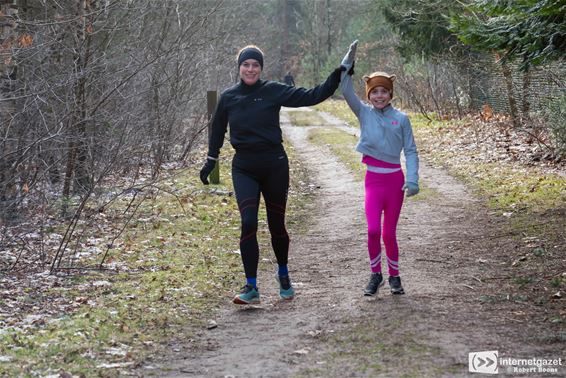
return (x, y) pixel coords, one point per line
(411, 188)
(206, 170)
(348, 60)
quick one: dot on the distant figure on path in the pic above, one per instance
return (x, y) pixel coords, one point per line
(260, 165)
(288, 79)
(385, 132)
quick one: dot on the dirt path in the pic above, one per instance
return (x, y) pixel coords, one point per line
(331, 330)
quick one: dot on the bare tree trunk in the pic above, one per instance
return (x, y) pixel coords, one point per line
(317, 40)
(8, 73)
(526, 105)
(83, 172)
(508, 77)
(328, 27)
(285, 39)
(433, 96)
(78, 167)
(457, 99)
(156, 123)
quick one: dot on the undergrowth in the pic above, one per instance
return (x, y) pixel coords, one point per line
(178, 261)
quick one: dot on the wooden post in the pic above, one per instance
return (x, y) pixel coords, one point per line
(211, 101)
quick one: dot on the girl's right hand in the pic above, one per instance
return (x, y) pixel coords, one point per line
(350, 56)
(411, 188)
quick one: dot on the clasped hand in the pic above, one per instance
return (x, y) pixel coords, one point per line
(349, 58)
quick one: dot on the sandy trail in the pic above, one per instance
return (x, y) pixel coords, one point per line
(427, 332)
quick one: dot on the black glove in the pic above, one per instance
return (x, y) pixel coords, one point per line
(206, 170)
(351, 70)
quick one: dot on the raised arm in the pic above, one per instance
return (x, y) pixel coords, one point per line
(295, 97)
(346, 84)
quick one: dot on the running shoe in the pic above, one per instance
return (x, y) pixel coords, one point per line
(395, 285)
(248, 295)
(375, 282)
(286, 290)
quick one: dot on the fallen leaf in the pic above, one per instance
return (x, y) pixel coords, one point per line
(115, 365)
(301, 352)
(25, 40)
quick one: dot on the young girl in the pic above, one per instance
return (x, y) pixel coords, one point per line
(385, 132)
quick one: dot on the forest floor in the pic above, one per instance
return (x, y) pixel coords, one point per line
(458, 263)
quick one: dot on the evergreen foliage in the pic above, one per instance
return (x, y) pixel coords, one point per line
(423, 26)
(530, 30)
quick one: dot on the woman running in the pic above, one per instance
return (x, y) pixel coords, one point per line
(260, 165)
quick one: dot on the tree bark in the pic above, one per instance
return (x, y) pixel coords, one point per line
(513, 110)
(328, 28)
(78, 159)
(285, 39)
(8, 76)
(526, 105)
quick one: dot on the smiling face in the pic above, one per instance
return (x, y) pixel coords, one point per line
(380, 97)
(250, 71)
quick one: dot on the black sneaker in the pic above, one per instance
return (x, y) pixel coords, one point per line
(375, 282)
(395, 285)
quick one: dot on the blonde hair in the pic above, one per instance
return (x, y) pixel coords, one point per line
(250, 52)
(248, 47)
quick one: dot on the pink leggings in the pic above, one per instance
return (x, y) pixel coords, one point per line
(384, 194)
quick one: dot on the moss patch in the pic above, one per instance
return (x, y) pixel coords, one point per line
(339, 109)
(362, 350)
(342, 145)
(306, 118)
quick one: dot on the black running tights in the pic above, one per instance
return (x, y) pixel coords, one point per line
(268, 176)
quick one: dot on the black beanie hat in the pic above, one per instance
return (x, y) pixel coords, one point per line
(250, 53)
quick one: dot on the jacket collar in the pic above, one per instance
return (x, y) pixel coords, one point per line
(385, 110)
(250, 88)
